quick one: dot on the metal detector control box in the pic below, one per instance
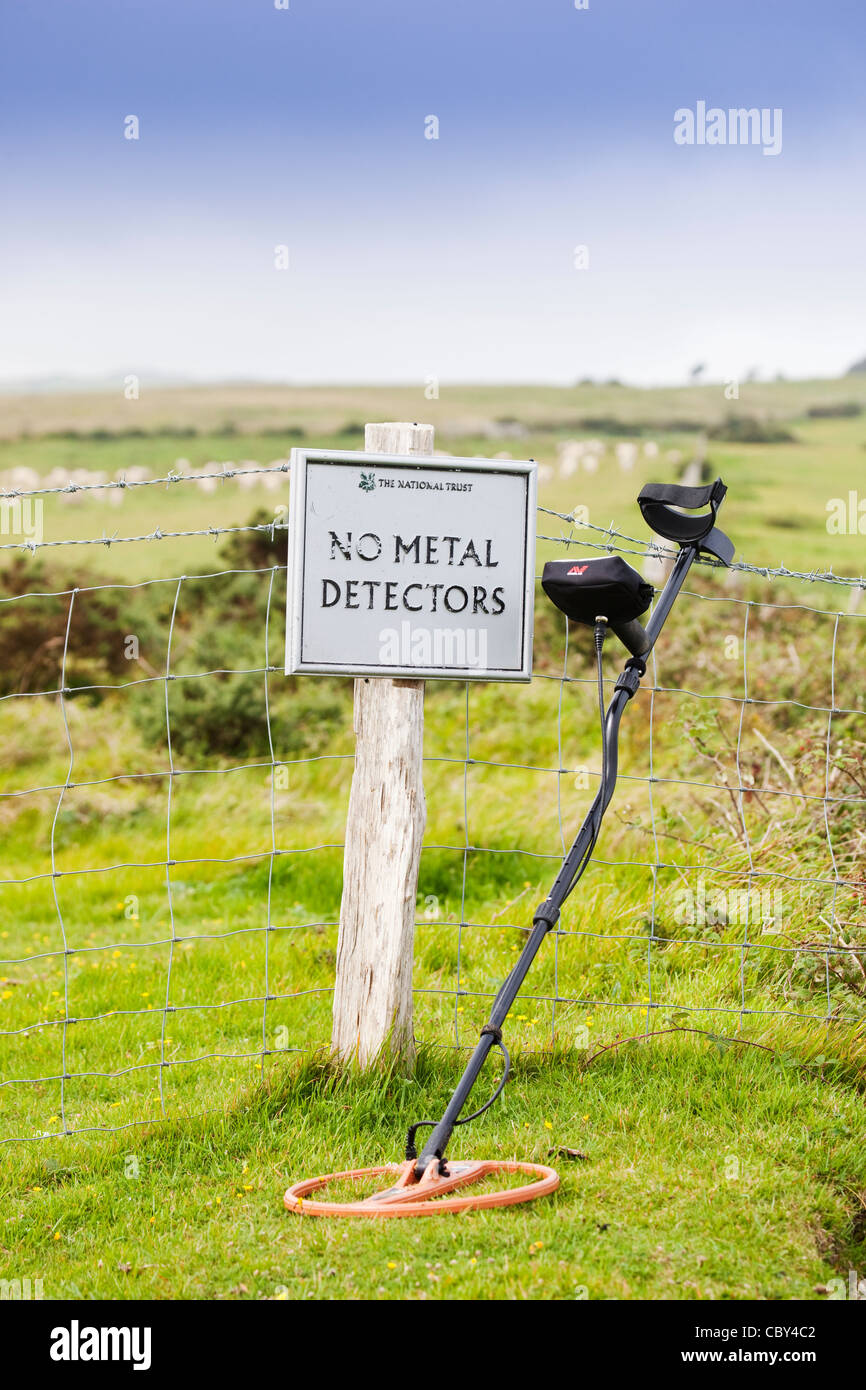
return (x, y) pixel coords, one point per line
(411, 566)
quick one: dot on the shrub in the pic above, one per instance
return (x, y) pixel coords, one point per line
(225, 715)
(844, 410)
(748, 429)
(257, 549)
(33, 631)
(220, 629)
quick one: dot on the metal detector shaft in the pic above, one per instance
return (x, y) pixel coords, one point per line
(547, 915)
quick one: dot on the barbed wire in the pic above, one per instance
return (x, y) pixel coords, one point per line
(653, 549)
(648, 547)
(174, 476)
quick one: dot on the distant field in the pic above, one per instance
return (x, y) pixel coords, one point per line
(779, 491)
(459, 409)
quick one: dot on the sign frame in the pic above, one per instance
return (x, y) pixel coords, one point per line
(295, 663)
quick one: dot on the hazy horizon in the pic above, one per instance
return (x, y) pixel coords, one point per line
(113, 381)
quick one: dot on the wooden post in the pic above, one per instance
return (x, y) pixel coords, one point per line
(387, 815)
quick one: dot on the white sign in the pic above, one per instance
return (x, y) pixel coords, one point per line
(411, 566)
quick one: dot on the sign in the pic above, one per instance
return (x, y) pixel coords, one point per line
(411, 566)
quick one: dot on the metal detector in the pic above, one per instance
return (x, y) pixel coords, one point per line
(605, 594)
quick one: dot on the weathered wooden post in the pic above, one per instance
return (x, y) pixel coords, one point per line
(373, 988)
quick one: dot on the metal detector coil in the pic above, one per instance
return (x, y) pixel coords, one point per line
(409, 1195)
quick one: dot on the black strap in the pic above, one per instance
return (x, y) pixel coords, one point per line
(658, 500)
(411, 1151)
(496, 1034)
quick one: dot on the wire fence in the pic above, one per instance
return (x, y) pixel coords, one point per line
(728, 890)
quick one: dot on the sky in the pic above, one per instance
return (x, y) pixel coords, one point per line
(412, 258)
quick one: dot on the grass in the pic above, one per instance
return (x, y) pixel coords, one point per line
(714, 1168)
(702, 1175)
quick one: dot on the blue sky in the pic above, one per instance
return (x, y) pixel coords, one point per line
(410, 257)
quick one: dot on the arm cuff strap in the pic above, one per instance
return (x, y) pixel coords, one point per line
(657, 502)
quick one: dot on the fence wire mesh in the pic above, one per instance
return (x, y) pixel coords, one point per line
(169, 912)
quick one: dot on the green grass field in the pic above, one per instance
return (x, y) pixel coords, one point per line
(722, 1159)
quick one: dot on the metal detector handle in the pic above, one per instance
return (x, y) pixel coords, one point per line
(658, 501)
(633, 636)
